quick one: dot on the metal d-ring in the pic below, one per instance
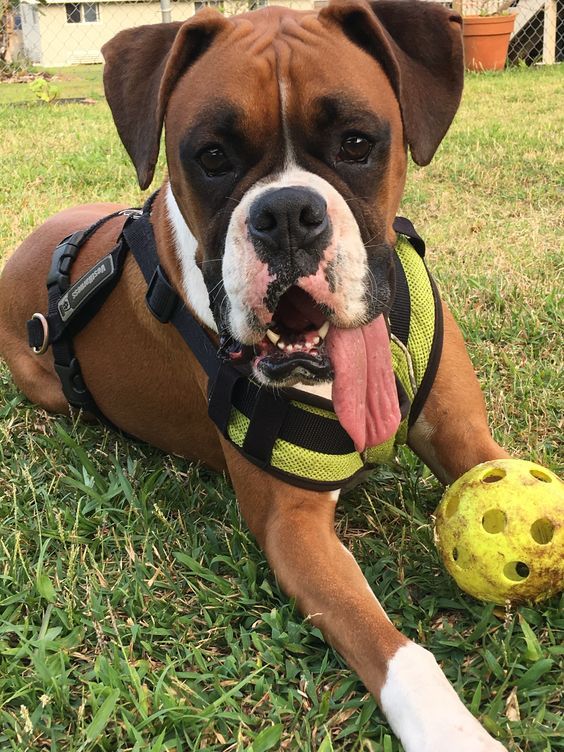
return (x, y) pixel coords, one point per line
(45, 344)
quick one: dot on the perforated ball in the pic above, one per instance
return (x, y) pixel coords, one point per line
(500, 531)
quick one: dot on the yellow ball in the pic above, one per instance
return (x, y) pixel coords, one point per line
(500, 531)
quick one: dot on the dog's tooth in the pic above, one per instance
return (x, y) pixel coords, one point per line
(323, 330)
(272, 336)
(315, 341)
(281, 345)
(289, 348)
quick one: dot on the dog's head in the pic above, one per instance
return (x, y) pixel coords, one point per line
(286, 141)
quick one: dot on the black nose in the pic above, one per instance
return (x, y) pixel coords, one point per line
(289, 220)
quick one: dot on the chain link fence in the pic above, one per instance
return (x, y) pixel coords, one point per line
(44, 34)
(539, 32)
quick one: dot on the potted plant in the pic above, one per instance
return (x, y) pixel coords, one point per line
(487, 27)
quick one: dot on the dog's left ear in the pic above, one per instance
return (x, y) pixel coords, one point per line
(142, 68)
(419, 46)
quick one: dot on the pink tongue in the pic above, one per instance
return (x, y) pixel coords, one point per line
(364, 389)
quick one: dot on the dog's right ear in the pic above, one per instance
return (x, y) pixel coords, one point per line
(142, 68)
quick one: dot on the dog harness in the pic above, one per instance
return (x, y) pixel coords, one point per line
(289, 433)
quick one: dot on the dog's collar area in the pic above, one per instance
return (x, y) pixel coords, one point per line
(288, 433)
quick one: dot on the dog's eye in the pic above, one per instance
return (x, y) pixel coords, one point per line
(214, 161)
(354, 149)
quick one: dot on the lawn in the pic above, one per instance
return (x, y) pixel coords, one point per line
(77, 81)
(136, 612)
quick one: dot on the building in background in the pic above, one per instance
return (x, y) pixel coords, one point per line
(52, 33)
(56, 33)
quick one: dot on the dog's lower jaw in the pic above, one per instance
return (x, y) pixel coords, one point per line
(424, 710)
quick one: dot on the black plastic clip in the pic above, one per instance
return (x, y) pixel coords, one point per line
(63, 257)
(73, 384)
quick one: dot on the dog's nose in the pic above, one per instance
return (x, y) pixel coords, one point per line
(289, 219)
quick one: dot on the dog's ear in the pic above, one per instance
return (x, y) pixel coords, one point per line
(419, 46)
(142, 67)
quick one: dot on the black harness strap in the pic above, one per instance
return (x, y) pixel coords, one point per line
(71, 307)
(221, 396)
(163, 301)
(400, 313)
(400, 316)
(434, 358)
(403, 226)
(261, 434)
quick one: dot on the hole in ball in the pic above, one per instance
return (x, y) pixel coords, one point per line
(494, 521)
(455, 554)
(493, 475)
(452, 506)
(540, 475)
(542, 531)
(516, 571)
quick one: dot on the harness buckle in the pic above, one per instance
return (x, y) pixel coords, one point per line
(42, 348)
(73, 384)
(63, 257)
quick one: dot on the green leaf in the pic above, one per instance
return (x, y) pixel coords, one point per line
(326, 745)
(267, 738)
(493, 665)
(202, 572)
(368, 709)
(533, 651)
(102, 716)
(531, 677)
(476, 699)
(158, 743)
(45, 587)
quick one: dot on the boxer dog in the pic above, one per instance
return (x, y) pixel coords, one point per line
(286, 140)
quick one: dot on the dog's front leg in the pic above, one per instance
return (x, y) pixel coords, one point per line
(295, 528)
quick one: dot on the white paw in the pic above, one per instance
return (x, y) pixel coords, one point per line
(424, 710)
(460, 736)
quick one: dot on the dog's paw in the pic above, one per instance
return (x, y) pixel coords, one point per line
(459, 737)
(424, 710)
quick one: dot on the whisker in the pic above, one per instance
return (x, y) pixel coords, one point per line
(215, 287)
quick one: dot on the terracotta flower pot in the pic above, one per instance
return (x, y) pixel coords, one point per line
(486, 41)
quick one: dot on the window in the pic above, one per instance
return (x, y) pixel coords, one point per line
(82, 12)
(90, 12)
(73, 13)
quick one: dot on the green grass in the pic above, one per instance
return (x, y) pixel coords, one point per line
(83, 81)
(136, 612)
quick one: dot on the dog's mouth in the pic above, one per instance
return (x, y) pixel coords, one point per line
(294, 346)
(301, 345)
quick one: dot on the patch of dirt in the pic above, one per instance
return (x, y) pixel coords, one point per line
(25, 77)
